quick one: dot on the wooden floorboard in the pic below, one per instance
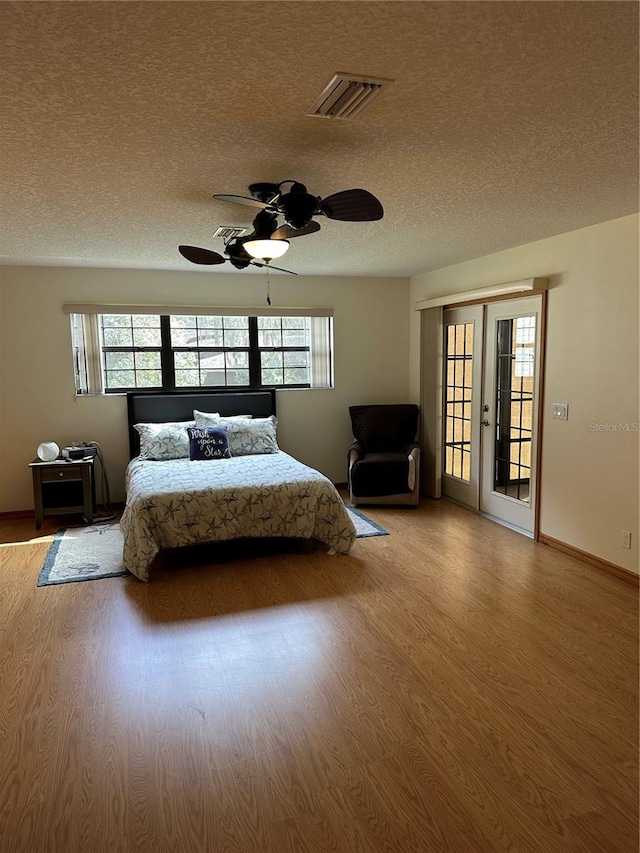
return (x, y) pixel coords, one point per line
(451, 687)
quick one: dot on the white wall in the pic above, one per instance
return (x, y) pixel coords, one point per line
(589, 479)
(37, 395)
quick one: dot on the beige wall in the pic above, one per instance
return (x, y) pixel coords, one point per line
(37, 397)
(589, 478)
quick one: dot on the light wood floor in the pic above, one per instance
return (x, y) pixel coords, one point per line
(451, 687)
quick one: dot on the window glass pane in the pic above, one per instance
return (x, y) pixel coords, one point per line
(466, 465)
(118, 360)
(109, 320)
(237, 359)
(271, 376)
(235, 322)
(147, 360)
(185, 337)
(296, 359)
(117, 337)
(186, 360)
(237, 377)
(451, 338)
(448, 458)
(448, 433)
(210, 338)
(236, 338)
(146, 321)
(294, 323)
(148, 378)
(146, 337)
(271, 359)
(269, 322)
(182, 321)
(205, 322)
(294, 338)
(187, 377)
(210, 360)
(270, 338)
(215, 378)
(120, 379)
(296, 376)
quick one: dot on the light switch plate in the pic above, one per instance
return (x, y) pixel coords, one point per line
(561, 411)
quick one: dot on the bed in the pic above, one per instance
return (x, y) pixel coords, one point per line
(175, 502)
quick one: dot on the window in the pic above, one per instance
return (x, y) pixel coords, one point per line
(210, 351)
(118, 352)
(284, 346)
(131, 349)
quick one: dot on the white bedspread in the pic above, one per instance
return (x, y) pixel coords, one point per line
(175, 503)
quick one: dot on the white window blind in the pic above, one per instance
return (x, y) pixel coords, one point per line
(85, 336)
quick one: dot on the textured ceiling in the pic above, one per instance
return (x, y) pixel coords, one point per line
(507, 122)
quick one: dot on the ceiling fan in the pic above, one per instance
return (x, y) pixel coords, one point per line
(265, 227)
(298, 207)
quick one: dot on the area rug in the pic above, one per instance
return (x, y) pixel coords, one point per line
(94, 552)
(365, 527)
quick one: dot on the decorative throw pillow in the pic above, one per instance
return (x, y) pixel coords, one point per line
(160, 442)
(208, 443)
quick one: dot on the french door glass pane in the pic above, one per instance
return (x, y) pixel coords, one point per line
(458, 394)
(514, 406)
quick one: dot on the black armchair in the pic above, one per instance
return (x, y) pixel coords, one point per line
(384, 459)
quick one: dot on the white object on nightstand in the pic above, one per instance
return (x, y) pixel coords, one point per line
(48, 451)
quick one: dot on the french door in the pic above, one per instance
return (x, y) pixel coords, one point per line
(463, 334)
(490, 418)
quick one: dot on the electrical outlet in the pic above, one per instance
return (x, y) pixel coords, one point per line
(561, 411)
(625, 538)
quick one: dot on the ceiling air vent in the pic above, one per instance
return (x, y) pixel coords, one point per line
(346, 96)
(228, 232)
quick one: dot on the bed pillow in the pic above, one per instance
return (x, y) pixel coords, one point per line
(255, 436)
(212, 418)
(247, 435)
(208, 443)
(160, 442)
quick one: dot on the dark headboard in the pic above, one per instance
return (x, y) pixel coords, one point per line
(148, 408)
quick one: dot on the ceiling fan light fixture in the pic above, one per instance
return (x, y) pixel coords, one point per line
(266, 250)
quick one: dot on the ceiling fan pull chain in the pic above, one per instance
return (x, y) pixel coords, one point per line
(268, 288)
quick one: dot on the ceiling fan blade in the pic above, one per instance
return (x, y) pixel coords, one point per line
(352, 206)
(271, 267)
(286, 232)
(200, 256)
(241, 199)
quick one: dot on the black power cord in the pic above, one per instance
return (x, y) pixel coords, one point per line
(104, 483)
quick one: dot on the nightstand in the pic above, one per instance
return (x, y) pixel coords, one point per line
(63, 487)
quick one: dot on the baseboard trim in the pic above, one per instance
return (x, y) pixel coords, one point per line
(598, 562)
(16, 514)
